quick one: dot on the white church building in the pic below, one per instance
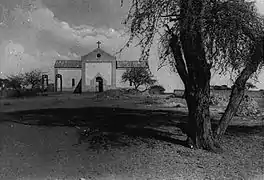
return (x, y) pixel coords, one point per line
(97, 71)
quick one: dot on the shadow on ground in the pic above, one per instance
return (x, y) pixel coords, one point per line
(103, 126)
(245, 130)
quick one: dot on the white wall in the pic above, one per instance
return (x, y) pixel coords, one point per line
(92, 69)
(67, 76)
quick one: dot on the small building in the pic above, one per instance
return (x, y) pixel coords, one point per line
(97, 71)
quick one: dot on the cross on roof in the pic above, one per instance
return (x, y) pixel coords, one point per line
(98, 43)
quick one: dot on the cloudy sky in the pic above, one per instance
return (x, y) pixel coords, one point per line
(34, 33)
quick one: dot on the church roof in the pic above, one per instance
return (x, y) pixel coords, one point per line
(129, 64)
(68, 64)
(93, 55)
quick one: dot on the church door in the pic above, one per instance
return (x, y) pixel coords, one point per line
(99, 80)
(58, 86)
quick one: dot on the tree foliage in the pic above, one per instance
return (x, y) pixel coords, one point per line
(15, 82)
(228, 29)
(20, 82)
(33, 78)
(158, 87)
(138, 76)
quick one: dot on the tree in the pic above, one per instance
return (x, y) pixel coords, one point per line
(33, 78)
(197, 36)
(16, 82)
(3, 83)
(138, 76)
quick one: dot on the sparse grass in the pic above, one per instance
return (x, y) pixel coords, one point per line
(132, 142)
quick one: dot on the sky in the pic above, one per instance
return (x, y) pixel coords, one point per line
(35, 33)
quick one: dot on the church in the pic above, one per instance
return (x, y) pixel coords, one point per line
(96, 71)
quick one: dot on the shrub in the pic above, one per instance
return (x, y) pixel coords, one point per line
(217, 100)
(21, 93)
(178, 93)
(10, 93)
(248, 107)
(156, 89)
(133, 91)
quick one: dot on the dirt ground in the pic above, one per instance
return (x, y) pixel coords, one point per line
(44, 138)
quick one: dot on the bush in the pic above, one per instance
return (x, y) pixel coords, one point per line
(156, 89)
(30, 93)
(178, 93)
(248, 107)
(10, 93)
(217, 100)
(132, 91)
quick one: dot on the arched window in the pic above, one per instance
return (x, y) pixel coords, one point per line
(73, 82)
(130, 83)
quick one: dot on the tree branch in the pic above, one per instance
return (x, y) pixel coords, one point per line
(176, 51)
(173, 17)
(180, 65)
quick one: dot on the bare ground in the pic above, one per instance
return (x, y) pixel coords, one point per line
(135, 139)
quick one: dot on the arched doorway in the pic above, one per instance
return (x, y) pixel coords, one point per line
(45, 82)
(58, 86)
(100, 85)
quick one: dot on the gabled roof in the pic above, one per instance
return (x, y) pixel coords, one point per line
(93, 55)
(68, 64)
(129, 64)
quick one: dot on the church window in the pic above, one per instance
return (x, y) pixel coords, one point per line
(73, 82)
(98, 55)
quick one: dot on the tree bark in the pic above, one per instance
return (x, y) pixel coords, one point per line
(196, 76)
(197, 96)
(236, 97)
(238, 90)
(199, 132)
(199, 125)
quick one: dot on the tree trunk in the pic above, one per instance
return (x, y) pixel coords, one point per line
(238, 90)
(196, 75)
(236, 97)
(199, 131)
(197, 94)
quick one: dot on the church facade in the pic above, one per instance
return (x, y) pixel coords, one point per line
(97, 71)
